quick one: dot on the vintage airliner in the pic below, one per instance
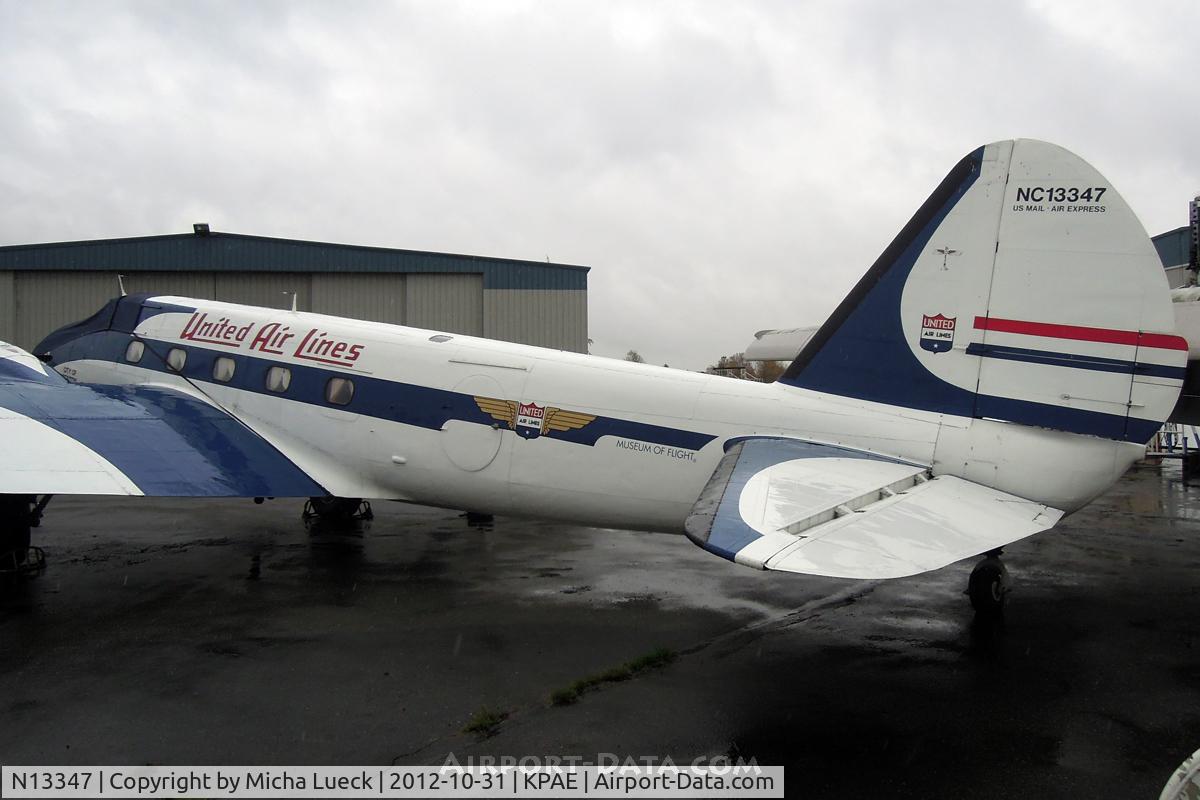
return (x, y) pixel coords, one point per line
(948, 407)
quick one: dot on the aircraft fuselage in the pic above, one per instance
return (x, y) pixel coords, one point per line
(456, 421)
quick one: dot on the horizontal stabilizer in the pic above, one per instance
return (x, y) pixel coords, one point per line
(778, 345)
(797, 506)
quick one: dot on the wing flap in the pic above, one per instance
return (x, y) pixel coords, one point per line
(804, 507)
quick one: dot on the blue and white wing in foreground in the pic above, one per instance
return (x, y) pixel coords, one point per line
(64, 438)
(797, 506)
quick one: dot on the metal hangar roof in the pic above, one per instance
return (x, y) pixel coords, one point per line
(213, 251)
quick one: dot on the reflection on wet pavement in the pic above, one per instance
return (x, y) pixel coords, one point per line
(223, 632)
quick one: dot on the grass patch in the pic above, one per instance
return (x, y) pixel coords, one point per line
(652, 660)
(486, 722)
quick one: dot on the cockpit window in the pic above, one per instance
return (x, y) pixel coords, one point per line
(133, 353)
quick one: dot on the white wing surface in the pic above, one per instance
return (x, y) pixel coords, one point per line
(65, 438)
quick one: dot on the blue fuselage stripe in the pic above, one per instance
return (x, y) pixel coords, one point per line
(1074, 361)
(407, 403)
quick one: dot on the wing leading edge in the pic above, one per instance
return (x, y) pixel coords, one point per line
(797, 506)
(74, 439)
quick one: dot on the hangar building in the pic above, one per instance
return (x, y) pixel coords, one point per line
(45, 286)
(1174, 250)
(1179, 249)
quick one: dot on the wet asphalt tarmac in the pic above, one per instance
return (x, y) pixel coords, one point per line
(220, 632)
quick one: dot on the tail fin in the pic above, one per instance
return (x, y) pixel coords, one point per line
(1023, 290)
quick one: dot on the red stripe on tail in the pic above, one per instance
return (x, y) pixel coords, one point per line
(1163, 341)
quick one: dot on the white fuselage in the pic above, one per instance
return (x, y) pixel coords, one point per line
(649, 440)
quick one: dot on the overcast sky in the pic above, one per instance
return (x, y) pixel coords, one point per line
(722, 167)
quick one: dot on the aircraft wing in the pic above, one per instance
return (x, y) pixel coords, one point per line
(72, 439)
(798, 506)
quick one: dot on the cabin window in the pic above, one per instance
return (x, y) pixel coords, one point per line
(223, 369)
(339, 391)
(133, 353)
(279, 379)
(176, 358)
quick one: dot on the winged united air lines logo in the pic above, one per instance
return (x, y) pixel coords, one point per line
(530, 420)
(937, 333)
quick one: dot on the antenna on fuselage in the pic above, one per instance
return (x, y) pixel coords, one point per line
(294, 296)
(121, 283)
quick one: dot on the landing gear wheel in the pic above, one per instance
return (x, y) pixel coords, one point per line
(988, 586)
(15, 521)
(337, 509)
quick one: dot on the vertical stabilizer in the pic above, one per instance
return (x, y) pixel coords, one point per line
(1023, 290)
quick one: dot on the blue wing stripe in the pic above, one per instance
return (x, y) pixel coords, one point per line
(167, 443)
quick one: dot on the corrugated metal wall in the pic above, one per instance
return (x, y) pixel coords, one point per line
(7, 308)
(374, 296)
(34, 303)
(267, 289)
(451, 303)
(45, 286)
(48, 300)
(555, 319)
(1173, 246)
(184, 284)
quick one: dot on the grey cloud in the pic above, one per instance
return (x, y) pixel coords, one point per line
(724, 167)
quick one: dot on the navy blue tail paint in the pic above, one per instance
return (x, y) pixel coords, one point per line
(861, 351)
